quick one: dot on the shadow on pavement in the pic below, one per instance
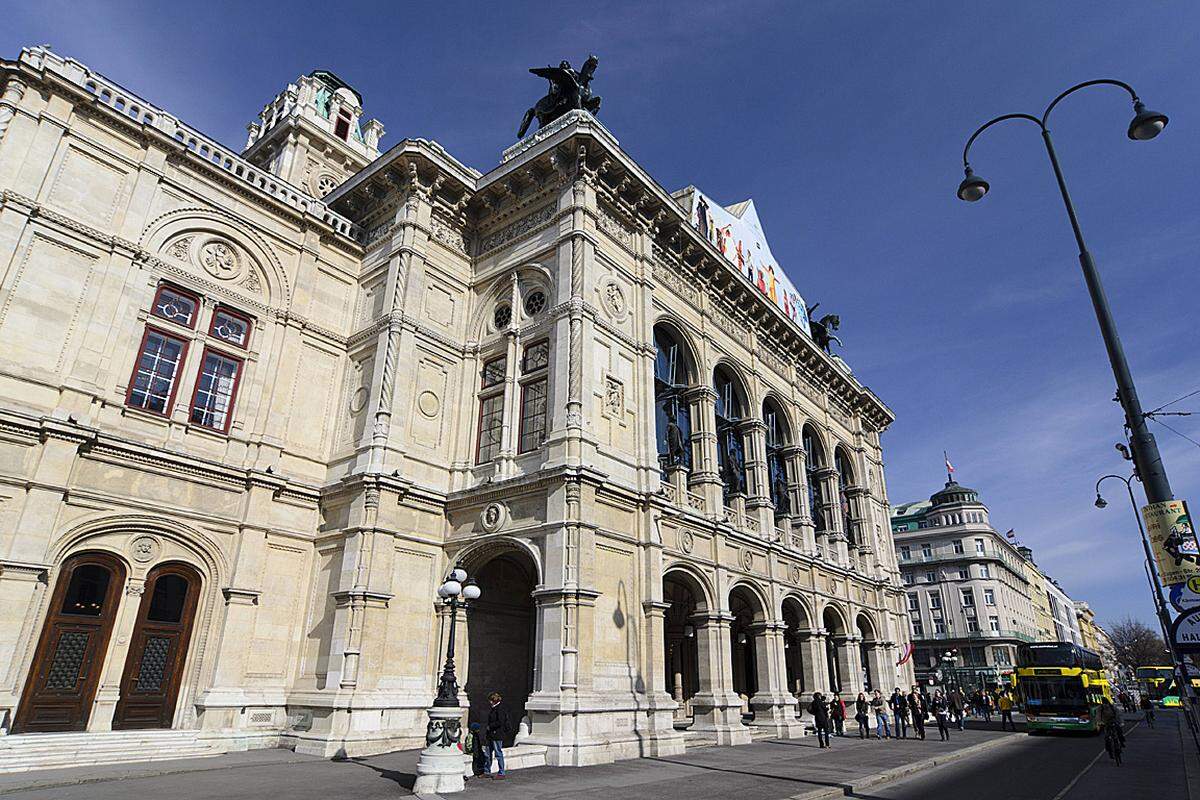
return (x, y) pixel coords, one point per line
(404, 779)
(829, 784)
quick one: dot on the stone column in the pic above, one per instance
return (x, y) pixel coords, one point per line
(661, 699)
(850, 664)
(816, 675)
(773, 705)
(716, 707)
(14, 90)
(804, 537)
(705, 479)
(758, 490)
(836, 538)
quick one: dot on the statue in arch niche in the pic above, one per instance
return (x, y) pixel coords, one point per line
(569, 91)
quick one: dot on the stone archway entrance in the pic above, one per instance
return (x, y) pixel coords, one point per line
(70, 654)
(682, 657)
(746, 611)
(835, 639)
(501, 636)
(797, 629)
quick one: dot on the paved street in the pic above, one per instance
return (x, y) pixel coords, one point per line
(979, 764)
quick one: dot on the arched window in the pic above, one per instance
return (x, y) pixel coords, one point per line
(778, 436)
(673, 374)
(814, 459)
(731, 455)
(841, 463)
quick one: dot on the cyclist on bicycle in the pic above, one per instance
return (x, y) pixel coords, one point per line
(1110, 720)
(1148, 708)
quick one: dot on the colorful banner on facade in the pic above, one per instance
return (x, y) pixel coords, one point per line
(906, 654)
(1172, 540)
(737, 233)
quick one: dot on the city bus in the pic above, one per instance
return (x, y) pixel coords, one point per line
(1061, 685)
(1160, 685)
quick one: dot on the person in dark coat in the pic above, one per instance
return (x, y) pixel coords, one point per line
(941, 712)
(473, 746)
(498, 729)
(916, 710)
(861, 707)
(837, 714)
(819, 708)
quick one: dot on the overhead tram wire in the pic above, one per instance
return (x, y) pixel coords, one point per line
(1173, 402)
(1172, 430)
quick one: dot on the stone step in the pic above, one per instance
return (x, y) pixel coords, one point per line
(26, 752)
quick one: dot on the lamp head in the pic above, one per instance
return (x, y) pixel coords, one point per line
(1145, 124)
(458, 574)
(471, 590)
(450, 588)
(973, 187)
(1100, 501)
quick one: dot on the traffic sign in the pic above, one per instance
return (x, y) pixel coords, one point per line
(1185, 596)
(1185, 632)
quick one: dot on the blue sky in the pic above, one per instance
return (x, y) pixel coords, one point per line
(845, 122)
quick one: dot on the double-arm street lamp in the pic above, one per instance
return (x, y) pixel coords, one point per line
(1144, 125)
(440, 765)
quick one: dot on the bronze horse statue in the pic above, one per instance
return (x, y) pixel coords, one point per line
(822, 329)
(569, 91)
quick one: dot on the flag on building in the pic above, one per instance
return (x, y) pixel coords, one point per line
(1011, 533)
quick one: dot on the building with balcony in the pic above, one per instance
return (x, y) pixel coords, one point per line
(256, 404)
(966, 584)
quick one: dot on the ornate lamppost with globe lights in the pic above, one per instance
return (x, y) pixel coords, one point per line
(441, 764)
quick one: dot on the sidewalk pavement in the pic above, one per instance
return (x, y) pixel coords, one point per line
(768, 770)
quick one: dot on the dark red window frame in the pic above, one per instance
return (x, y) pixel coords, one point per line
(237, 384)
(195, 298)
(166, 412)
(246, 318)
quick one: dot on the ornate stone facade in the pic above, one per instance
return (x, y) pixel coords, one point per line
(293, 414)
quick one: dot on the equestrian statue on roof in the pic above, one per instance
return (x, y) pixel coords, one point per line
(569, 91)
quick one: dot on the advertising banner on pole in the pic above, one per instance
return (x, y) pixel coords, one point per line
(1172, 540)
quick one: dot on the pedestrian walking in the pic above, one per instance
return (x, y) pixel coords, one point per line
(819, 708)
(986, 707)
(916, 709)
(499, 727)
(957, 705)
(1005, 703)
(882, 729)
(860, 716)
(837, 714)
(899, 706)
(941, 712)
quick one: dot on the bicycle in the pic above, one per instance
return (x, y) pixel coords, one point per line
(1114, 742)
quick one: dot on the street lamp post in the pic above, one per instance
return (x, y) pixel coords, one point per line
(440, 765)
(1145, 125)
(1186, 694)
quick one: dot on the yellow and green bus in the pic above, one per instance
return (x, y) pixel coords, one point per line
(1061, 686)
(1160, 685)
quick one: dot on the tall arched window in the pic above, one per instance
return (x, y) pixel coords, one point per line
(841, 462)
(814, 459)
(778, 436)
(731, 455)
(672, 420)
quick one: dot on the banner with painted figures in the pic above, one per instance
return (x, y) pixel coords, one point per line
(737, 233)
(1172, 540)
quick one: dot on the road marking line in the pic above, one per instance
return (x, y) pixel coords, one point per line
(1083, 772)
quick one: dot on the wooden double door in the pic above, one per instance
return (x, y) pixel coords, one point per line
(74, 643)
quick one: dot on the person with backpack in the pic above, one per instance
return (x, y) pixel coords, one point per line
(473, 746)
(860, 716)
(498, 728)
(837, 714)
(819, 708)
